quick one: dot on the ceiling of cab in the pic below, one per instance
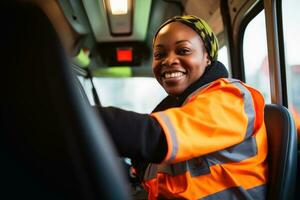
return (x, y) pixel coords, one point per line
(102, 22)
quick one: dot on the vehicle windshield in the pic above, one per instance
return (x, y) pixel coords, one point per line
(139, 94)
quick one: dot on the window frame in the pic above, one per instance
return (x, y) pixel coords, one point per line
(276, 54)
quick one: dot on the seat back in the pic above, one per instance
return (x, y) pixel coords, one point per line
(52, 144)
(282, 144)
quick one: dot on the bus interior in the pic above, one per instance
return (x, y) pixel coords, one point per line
(61, 56)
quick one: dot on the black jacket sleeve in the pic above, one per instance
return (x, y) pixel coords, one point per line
(137, 136)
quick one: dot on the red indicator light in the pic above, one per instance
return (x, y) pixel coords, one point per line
(124, 55)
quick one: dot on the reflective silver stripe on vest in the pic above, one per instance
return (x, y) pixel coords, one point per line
(236, 153)
(196, 167)
(238, 193)
(248, 106)
(171, 129)
(150, 172)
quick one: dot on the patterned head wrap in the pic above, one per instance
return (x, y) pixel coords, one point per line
(202, 28)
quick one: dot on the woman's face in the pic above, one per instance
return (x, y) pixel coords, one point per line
(179, 57)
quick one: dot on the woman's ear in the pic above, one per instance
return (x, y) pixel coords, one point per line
(207, 59)
(208, 62)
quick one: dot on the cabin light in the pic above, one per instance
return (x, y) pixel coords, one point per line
(119, 7)
(119, 16)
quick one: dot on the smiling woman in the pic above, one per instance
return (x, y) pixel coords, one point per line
(188, 139)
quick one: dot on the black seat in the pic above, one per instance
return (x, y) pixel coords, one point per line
(282, 142)
(52, 144)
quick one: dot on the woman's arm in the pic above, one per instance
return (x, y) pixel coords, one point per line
(137, 136)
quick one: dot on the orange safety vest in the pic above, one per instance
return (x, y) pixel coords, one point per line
(217, 146)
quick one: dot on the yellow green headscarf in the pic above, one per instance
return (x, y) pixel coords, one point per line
(202, 28)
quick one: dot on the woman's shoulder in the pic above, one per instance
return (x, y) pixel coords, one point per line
(228, 86)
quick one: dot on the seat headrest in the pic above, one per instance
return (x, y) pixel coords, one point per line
(52, 143)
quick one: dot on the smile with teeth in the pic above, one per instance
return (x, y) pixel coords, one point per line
(173, 74)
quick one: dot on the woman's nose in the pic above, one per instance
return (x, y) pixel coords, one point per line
(170, 59)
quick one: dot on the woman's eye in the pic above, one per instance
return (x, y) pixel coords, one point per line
(158, 55)
(184, 51)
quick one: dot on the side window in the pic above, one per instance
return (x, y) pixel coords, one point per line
(223, 57)
(291, 29)
(256, 56)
